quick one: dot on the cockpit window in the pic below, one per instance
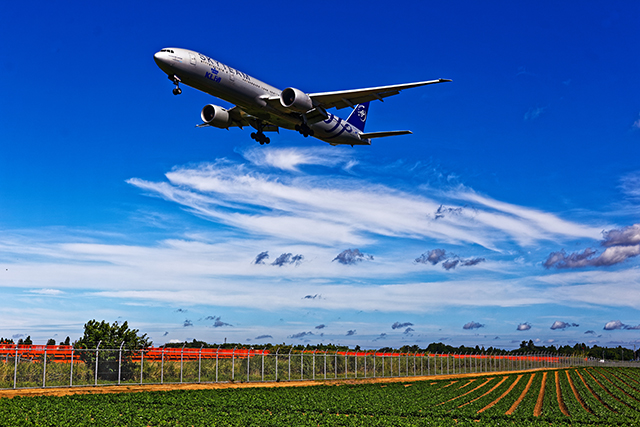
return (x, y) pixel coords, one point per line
(166, 50)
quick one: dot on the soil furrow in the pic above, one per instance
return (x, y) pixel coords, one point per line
(492, 388)
(470, 391)
(538, 409)
(501, 397)
(594, 393)
(575, 393)
(522, 395)
(608, 392)
(563, 407)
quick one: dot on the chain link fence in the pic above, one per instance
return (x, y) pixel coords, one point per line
(26, 368)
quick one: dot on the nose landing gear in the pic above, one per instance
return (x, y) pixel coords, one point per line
(176, 81)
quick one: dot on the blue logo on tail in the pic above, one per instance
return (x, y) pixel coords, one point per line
(358, 117)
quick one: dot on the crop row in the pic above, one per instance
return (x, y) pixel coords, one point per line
(584, 396)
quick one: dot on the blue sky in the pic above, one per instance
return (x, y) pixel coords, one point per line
(510, 214)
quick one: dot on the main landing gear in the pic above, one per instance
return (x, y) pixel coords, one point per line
(259, 136)
(176, 81)
(305, 130)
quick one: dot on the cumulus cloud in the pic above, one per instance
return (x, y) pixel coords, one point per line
(261, 257)
(380, 337)
(351, 332)
(312, 296)
(165, 334)
(616, 324)
(321, 326)
(288, 259)
(398, 325)
(263, 337)
(473, 325)
(351, 257)
(590, 332)
(181, 310)
(433, 257)
(300, 335)
(621, 244)
(523, 326)
(408, 331)
(449, 262)
(217, 322)
(563, 325)
(187, 323)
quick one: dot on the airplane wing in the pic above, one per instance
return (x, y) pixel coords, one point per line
(351, 98)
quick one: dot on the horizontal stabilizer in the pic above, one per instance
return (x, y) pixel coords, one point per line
(384, 134)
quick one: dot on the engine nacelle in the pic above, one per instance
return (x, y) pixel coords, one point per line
(214, 115)
(296, 100)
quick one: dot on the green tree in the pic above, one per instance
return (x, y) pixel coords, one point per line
(111, 337)
(51, 341)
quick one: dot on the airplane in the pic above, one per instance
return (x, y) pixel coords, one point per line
(266, 108)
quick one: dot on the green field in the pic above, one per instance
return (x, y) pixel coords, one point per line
(580, 396)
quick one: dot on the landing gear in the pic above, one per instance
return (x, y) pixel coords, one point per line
(176, 81)
(260, 137)
(305, 130)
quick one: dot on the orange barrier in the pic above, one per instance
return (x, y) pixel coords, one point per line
(63, 354)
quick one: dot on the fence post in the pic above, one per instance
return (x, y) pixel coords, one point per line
(141, 364)
(302, 364)
(200, 362)
(120, 361)
(262, 379)
(289, 361)
(248, 361)
(71, 375)
(374, 363)
(356, 364)
(335, 365)
(277, 350)
(391, 364)
(15, 370)
(365, 364)
(44, 369)
(181, 359)
(325, 364)
(217, 350)
(313, 365)
(164, 346)
(346, 360)
(233, 364)
(97, 357)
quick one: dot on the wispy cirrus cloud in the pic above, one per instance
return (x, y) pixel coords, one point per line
(329, 209)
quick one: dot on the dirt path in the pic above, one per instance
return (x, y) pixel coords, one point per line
(522, 395)
(538, 409)
(67, 391)
(563, 407)
(501, 397)
(575, 393)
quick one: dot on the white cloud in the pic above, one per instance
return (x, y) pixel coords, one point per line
(324, 209)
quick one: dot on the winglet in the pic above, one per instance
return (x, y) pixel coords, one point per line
(358, 116)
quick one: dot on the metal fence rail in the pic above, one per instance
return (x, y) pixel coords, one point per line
(26, 367)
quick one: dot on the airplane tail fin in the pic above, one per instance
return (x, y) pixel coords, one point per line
(358, 116)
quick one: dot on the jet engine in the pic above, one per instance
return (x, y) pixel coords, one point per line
(216, 116)
(296, 100)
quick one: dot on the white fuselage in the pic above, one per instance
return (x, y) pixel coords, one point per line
(217, 79)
